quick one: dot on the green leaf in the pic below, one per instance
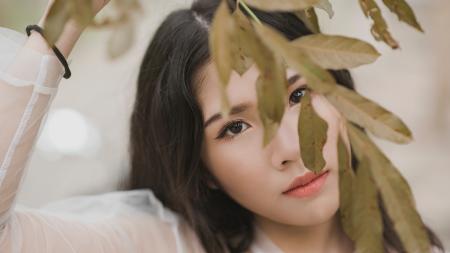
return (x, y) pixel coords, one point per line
(369, 114)
(57, 17)
(281, 5)
(404, 12)
(312, 130)
(309, 18)
(220, 42)
(318, 78)
(395, 193)
(367, 220)
(326, 6)
(346, 182)
(336, 52)
(379, 28)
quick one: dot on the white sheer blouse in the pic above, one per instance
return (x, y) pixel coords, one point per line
(121, 221)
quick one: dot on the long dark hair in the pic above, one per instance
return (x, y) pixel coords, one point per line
(166, 130)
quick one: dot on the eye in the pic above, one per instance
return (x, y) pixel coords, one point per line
(232, 129)
(297, 95)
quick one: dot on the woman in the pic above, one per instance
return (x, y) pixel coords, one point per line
(198, 182)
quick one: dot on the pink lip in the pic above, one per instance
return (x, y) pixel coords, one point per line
(307, 184)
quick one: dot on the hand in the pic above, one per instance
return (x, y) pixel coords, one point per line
(68, 37)
(99, 4)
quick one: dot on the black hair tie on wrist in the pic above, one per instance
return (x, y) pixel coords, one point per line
(58, 53)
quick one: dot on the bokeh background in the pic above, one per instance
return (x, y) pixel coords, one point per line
(83, 148)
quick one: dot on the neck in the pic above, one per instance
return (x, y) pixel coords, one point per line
(325, 237)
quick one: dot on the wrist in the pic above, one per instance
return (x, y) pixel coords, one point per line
(68, 38)
(58, 54)
(66, 41)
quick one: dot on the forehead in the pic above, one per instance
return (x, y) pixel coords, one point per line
(239, 89)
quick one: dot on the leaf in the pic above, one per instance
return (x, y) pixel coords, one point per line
(281, 5)
(369, 114)
(379, 28)
(220, 43)
(336, 52)
(57, 17)
(121, 39)
(346, 181)
(241, 61)
(312, 131)
(61, 12)
(271, 91)
(367, 220)
(271, 84)
(395, 193)
(318, 78)
(404, 12)
(326, 6)
(309, 18)
(82, 11)
(346, 178)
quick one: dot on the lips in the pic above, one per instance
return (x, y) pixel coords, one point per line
(303, 180)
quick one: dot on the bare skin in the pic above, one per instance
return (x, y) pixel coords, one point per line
(71, 33)
(255, 177)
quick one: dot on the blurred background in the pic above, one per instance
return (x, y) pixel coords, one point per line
(83, 147)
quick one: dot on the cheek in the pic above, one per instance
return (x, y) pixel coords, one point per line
(244, 172)
(238, 165)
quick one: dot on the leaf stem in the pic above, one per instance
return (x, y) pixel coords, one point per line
(250, 12)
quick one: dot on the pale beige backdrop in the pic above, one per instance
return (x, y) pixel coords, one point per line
(94, 105)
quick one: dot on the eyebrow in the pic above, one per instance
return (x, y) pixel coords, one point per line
(239, 108)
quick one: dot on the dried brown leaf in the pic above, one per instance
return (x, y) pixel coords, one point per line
(282, 5)
(271, 91)
(336, 52)
(379, 27)
(241, 61)
(220, 41)
(318, 78)
(346, 192)
(312, 131)
(82, 11)
(57, 17)
(369, 114)
(395, 193)
(404, 12)
(367, 220)
(326, 6)
(271, 84)
(309, 18)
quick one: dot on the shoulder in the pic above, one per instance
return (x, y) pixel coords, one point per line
(112, 205)
(138, 212)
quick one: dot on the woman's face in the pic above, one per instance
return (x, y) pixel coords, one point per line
(254, 176)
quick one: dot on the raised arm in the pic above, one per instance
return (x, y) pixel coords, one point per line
(29, 78)
(129, 221)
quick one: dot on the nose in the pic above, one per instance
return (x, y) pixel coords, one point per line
(285, 147)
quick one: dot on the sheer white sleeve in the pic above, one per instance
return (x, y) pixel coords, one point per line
(28, 83)
(128, 222)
